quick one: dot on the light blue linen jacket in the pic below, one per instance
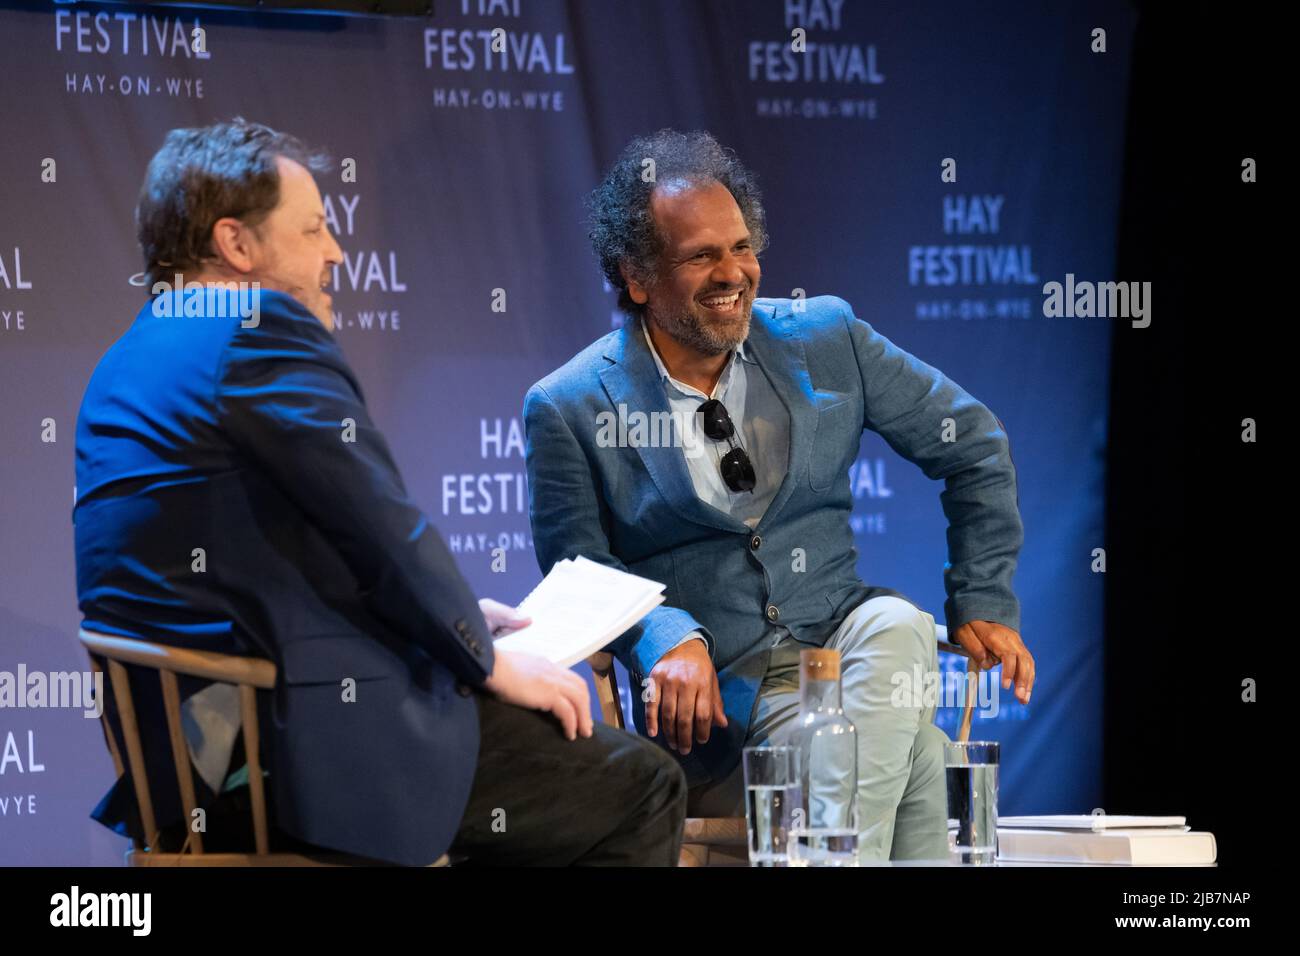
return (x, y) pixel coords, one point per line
(635, 507)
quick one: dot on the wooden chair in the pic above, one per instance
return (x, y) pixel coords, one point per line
(250, 675)
(722, 841)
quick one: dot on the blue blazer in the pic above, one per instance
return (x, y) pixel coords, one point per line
(254, 444)
(636, 508)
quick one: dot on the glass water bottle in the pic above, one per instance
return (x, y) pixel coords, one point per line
(825, 831)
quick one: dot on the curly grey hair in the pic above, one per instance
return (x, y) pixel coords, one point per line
(622, 228)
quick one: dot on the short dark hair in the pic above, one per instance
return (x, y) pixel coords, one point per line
(204, 174)
(622, 228)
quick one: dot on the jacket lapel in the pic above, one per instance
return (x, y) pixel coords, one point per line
(779, 351)
(633, 382)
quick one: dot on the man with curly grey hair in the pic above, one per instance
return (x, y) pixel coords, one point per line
(752, 538)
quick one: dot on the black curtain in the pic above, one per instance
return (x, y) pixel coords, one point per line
(1192, 610)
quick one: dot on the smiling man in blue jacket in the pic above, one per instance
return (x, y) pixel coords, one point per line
(745, 517)
(234, 495)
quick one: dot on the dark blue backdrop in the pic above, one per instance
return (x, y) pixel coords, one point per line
(470, 171)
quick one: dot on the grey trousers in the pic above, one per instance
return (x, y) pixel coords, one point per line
(902, 794)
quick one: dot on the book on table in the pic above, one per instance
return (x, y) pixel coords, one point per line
(1110, 838)
(1089, 821)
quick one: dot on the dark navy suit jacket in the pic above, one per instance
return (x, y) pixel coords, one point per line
(215, 433)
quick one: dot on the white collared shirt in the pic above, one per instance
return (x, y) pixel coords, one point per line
(762, 429)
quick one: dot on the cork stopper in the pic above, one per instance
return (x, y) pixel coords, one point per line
(818, 663)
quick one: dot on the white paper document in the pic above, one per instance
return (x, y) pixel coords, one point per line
(1091, 821)
(579, 608)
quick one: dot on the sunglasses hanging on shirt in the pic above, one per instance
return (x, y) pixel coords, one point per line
(737, 469)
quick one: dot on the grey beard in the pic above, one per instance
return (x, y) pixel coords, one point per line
(685, 328)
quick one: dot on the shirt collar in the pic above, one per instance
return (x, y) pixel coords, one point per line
(663, 369)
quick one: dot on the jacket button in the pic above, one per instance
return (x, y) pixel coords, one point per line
(773, 612)
(755, 543)
(475, 646)
(464, 690)
(462, 628)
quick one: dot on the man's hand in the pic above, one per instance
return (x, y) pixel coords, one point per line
(989, 644)
(684, 695)
(536, 683)
(501, 618)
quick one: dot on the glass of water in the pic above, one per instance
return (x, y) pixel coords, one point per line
(972, 771)
(771, 797)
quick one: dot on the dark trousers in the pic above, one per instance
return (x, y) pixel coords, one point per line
(538, 799)
(611, 799)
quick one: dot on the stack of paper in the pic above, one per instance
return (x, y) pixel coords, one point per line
(579, 608)
(1090, 821)
(1097, 838)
